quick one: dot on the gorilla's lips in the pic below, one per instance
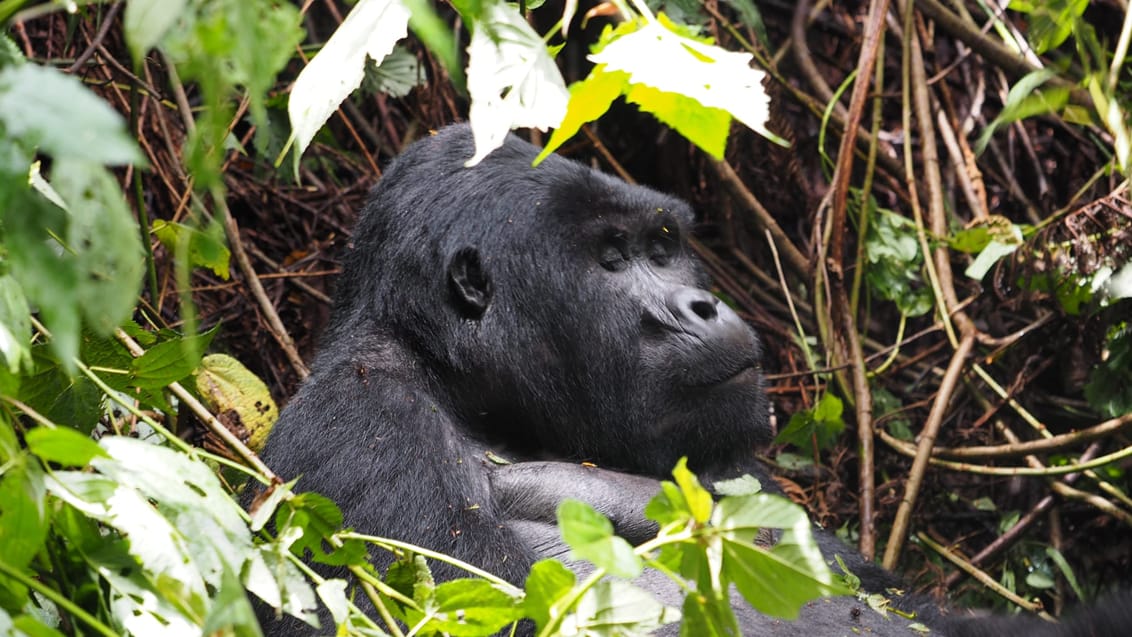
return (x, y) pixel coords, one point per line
(747, 375)
(743, 374)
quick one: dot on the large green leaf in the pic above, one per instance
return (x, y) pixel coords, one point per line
(473, 607)
(147, 21)
(46, 108)
(590, 536)
(708, 616)
(616, 608)
(44, 271)
(15, 324)
(772, 581)
(62, 445)
(548, 582)
(1109, 389)
(819, 426)
(170, 361)
(104, 239)
(24, 514)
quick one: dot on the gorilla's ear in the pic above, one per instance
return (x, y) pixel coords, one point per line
(469, 283)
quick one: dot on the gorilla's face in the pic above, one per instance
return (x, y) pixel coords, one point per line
(618, 353)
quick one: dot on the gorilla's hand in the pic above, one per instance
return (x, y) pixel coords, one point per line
(528, 495)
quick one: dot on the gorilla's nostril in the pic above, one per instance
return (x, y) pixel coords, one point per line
(705, 309)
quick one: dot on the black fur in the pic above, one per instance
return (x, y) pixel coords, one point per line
(548, 314)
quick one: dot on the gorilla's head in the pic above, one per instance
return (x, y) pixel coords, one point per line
(557, 309)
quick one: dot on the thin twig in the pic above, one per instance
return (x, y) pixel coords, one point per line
(924, 448)
(851, 350)
(763, 219)
(274, 324)
(980, 575)
(107, 22)
(1044, 445)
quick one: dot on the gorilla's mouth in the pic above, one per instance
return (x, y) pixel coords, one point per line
(745, 374)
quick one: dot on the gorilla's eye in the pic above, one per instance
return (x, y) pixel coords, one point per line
(662, 247)
(614, 255)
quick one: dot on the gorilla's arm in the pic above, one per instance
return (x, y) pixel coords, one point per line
(528, 494)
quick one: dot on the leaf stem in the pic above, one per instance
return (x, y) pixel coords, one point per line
(433, 555)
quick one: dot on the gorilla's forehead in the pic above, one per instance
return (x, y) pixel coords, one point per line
(429, 189)
(591, 199)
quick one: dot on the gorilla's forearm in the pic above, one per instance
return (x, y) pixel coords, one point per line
(532, 491)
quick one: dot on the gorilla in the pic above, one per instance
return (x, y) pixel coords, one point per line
(552, 315)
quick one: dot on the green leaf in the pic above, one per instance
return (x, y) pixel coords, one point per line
(668, 506)
(473, 607)
(743, 516)
(887, 408)
(46, 274)
(62, 445)
(512, 80)
(230, 613)
(103, 236)
(1002, 244)
(614, 607)
(46, 108)
(745, 484)
(32, 627)
(24, 514)
(396, 75)
(61, 398)
(1063, 565)
(411, 577)
(157, 545)
(185, 538)
(708, 616)
(207, 248)
(895, 262)
(10, 54)
(146, 22)
(15, 324)
(589, 100)
(274, 578)
(777, 582)
(1051, 21)
(1026, 99)
(169, 362)
(1039, 580)
(819, 426)
(699, 500)
(547, 584)
(332, 592)
(318, 517)
(750, 15)
(1109, 389)
(435, 33)
(590, 537)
